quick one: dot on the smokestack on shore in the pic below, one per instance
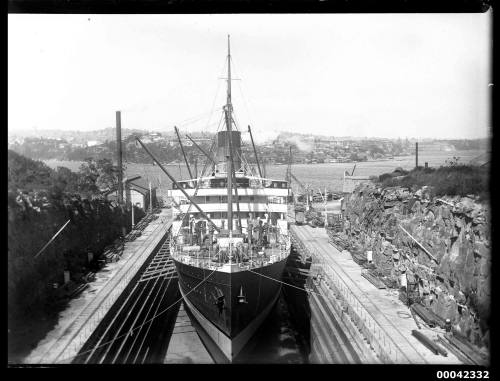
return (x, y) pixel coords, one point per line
(119, 155)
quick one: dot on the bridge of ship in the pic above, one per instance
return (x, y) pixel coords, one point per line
(257, 198)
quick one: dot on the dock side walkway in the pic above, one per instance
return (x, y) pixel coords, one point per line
(84, 313)
(380, 315)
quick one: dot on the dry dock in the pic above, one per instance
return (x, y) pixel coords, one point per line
(83, 315)
(341, 293)
(351, 321)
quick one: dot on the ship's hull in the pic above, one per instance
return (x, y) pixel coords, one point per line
(247, 300)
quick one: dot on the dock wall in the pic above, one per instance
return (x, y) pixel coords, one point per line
(68, 337)
(373, 342)
(450, 265)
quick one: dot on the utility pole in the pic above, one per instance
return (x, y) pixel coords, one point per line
(416, 155)
(195, 160)
(119, 163)
(289, 167)
(133, 224)
(326, 213)
(150, 198)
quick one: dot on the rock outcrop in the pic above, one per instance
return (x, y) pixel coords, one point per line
(448, 260)
(33, 219)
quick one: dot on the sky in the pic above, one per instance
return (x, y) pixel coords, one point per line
(373, 75)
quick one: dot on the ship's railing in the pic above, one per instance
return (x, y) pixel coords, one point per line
(206, 184)
(264, 257)
(221, 183)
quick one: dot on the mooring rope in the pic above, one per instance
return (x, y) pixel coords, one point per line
(288, 284)
(139, 326)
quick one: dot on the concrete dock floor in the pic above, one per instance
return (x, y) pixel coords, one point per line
(84, 313)
(185, 346)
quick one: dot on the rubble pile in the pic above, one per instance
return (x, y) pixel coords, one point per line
(441, 244)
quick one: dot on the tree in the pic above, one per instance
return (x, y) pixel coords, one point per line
(88, 173)
(354, 156)
(108, 174)
(96, 176)
(374, 149)
(27, 174)
(64, 180)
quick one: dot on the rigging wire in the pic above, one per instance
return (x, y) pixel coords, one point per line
(289, 284)
(193, 118)
(247, 108)
(245, 104)
(242, 158)
(314, 292)
(147, 321)
(215, 98)
(211, 113)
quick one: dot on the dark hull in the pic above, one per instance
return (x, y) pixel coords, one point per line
(230, 324)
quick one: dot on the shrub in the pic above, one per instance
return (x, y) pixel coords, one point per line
(454, 180)
(384, 177)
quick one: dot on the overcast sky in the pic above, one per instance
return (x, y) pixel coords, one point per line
(387, 75)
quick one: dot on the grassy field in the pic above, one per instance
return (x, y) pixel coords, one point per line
(317, 175)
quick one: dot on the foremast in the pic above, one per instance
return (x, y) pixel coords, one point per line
(229, 153)
(230, 169)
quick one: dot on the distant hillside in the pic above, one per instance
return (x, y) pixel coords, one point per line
(76, 137)
(25, 173)
(306, 149)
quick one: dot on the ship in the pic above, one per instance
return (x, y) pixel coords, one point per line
(229, 239)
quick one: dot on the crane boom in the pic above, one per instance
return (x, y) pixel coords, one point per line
(178, 186)
(183, 153)
(255, 151)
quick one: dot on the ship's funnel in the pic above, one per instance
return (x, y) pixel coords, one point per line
(223, 149)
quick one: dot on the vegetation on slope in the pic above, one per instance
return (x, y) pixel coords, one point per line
(452, 180)
(40, 201)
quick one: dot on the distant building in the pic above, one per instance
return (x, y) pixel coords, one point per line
(92, 143)
(350, 182)
(135, 192)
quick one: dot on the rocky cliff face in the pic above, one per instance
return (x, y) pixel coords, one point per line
(452, 274)
(33, 218)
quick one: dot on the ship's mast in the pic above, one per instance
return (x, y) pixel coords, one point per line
(229, 138)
